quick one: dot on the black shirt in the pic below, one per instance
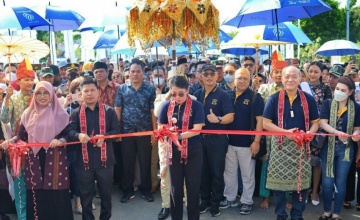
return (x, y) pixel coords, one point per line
(92, 123)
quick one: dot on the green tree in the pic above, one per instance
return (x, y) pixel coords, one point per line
(326, 26)
(355, 24)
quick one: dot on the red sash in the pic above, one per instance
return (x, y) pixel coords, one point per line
(281, 107)
(83, 129)
(185, 127)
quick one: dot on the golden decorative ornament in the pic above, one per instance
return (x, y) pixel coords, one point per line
(194, 21)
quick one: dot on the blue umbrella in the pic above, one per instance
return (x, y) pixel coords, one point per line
(258, 12)
(338, 48)
(122, 46)
(20, 18)
(243, 51)
(61, 18)
(108, 39)
(286, 32)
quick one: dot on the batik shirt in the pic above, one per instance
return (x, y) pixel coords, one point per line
(266, 90)
(17, 105)
(107, 95)
(136, 107)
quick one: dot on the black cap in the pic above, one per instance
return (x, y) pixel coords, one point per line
(337, 71)
(99, 65)
(209, 67)
(181, 60)
(72, 66)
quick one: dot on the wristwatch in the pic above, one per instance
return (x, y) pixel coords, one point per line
(220, 119)
(179, 137)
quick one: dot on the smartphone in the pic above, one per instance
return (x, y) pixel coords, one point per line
(353, 59)
(75, 96)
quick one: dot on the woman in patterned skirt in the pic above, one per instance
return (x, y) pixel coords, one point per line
(46, 172)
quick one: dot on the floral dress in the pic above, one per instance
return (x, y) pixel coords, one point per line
(320, 92)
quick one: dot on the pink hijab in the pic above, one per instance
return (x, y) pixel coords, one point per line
(44, 123)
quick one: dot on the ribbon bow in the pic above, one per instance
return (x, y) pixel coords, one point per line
(302, 138)
(166, 131)
(15, 152)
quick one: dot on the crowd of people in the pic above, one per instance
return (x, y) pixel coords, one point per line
(72, 108)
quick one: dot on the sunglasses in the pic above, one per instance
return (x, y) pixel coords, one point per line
(180, 94)
(249, 65)
(206, 74)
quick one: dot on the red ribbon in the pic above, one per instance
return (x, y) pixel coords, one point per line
(302, 138)
(15, 152)
(165, 131)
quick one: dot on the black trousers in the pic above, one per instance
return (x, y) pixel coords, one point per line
(86, 180)
(118, 166)
(212, 175)
(130, 147)
(50, 204)
(191, 173)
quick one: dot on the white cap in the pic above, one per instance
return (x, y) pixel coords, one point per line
(3, 87)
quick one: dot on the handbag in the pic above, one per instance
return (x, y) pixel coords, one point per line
(319, 140)
(262, 150)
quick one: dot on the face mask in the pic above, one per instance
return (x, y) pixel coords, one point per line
(229, 78)
(158, 81)
(72, 76)
(339, 95)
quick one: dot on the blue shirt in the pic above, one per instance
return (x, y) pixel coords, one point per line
(298, 121)
(325, 114)
(217, 100)
(194, 88)
(196, 117)
(136, 106)
(243, 105)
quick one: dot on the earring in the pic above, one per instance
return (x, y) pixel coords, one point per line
(50, 104)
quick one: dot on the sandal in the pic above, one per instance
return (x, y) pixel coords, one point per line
(325, 217)
(347, 205)
(357, 207)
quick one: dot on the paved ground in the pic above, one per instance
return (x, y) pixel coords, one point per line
(138, 209)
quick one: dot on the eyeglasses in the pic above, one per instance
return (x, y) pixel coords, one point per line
(248, 65)
(295, 76)
(116, 76)
(180, 94)
(243, 79)
(206, 74)
(229, 72)
(39, 94)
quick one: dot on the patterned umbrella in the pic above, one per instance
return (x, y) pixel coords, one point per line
(16, 48)
(189, 20)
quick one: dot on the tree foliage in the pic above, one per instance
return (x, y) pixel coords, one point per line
(330, 26)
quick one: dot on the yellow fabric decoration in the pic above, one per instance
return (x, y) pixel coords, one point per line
(194, 21)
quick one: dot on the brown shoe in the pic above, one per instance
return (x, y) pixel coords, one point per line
(154, 189)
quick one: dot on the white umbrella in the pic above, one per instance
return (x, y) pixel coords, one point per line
(338, 48)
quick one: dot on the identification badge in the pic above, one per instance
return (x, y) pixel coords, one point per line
(291, 113)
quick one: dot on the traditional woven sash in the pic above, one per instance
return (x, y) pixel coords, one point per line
(349, 130)
(83, 129)
(281, 107)
(185, 127)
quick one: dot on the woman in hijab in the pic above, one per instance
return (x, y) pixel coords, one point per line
(46, 172)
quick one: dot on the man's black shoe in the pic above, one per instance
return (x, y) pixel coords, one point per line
(147, 197)
(126, 197)
(279, 217)
(164, 213)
